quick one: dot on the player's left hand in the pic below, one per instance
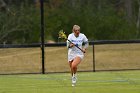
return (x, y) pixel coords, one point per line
(84, 50)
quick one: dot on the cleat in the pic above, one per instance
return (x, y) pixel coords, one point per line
(74, 79)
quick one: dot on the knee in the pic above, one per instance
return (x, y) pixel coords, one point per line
(74, 66)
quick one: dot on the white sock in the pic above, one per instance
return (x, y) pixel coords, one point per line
(74, 75)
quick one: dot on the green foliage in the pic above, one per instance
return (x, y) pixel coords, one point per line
(23, 27)
(103, 23)
(112, 27)
(99, 20)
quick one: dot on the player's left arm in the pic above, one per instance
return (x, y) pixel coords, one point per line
(86, 44)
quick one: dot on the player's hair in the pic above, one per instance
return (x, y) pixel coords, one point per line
(76, 27)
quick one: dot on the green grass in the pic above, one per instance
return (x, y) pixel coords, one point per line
(107, 57)
(88, 82)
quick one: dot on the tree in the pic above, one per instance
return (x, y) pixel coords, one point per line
(128, 8)
(138, 21)
(23, 27)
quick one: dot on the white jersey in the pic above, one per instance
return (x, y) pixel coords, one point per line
(74, 51)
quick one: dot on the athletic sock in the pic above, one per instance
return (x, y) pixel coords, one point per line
(74, 75)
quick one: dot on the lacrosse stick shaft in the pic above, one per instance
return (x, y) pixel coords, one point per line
(77, 46)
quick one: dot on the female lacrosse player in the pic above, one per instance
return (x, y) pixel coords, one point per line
(75, 55)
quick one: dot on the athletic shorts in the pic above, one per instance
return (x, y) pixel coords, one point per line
(72, 56)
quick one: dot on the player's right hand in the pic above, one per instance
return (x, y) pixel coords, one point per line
(72, 45)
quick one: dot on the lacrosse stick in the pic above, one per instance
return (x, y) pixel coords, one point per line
(64, 36)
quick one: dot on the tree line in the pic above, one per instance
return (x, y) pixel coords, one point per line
(98, 19)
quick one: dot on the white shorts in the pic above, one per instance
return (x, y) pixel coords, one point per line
(72, 56)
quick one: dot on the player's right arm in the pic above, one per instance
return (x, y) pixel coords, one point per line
(70, 45)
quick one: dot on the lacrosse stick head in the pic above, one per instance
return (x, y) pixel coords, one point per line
(62, 35)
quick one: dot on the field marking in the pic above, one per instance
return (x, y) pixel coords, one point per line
(103, 81)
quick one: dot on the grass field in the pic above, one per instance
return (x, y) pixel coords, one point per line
(88, 82)
(107, 57)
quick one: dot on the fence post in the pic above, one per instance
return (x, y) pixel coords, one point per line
(42, 33)
(93, 58)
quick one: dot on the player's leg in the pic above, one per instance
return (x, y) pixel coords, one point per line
(74, 65)
(70, 64)
(72, 71)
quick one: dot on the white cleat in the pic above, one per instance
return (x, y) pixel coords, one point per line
(74, 79)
